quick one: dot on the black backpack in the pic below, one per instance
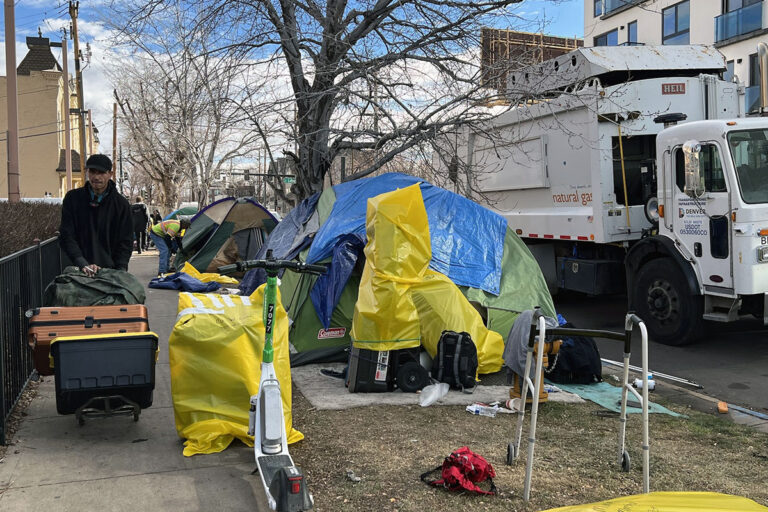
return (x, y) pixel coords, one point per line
(577, 362)
(456, 361)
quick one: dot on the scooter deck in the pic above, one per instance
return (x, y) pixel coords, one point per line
(269, 465)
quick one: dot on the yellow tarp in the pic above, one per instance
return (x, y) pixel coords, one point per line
(207, 277)
(670, 502)
(402, 303)
(215, 362)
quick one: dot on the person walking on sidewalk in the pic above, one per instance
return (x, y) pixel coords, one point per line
(162, 234)
(140, 222)
(96, 230)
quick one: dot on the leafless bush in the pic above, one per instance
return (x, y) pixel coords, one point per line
(22, 223)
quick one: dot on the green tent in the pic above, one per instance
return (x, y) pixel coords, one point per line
(224, 232)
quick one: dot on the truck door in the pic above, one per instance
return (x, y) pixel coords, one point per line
(703, 225)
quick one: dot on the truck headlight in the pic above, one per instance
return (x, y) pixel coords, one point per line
(762, 254)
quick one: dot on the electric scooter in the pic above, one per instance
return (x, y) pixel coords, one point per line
(283, 481)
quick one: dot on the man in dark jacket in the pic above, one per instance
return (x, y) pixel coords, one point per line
(140, 221)
(96, 226)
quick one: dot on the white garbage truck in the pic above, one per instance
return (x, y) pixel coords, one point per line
(634, 169)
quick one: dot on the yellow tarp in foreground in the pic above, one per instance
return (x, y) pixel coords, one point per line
(207, 277)
(670, 502)
(402, 303)
(215, 361)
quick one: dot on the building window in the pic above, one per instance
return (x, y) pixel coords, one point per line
(732, 5)
(729, 72)
(632, 32)
(754, 70)
(676, 21)
(608, 39)
(598, 8)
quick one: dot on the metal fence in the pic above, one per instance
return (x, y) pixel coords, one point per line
(23, 278)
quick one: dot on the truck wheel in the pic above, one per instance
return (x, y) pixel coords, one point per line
(664, 302)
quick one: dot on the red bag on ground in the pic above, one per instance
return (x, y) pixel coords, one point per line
(461, 471)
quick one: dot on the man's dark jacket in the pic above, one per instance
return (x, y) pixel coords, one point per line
(93, 231)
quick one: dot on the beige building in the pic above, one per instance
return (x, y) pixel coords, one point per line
(41, 107)
(733, 26)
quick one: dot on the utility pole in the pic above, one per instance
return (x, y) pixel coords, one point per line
(114, 132)
(12, 136)
(67, 127)
(73, 7)
(120, 189)
(90, 133)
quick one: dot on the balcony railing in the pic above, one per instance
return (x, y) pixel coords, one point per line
(752, 99)
(612, 5)
(739, 22)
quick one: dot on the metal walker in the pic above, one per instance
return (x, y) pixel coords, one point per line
(538, 333)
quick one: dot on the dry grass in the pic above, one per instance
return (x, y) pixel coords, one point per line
(21, 223)
(389, 447)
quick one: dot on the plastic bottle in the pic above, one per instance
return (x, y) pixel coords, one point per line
(483, 410)
(651, 383)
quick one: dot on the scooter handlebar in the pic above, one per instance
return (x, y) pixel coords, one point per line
(273, 265)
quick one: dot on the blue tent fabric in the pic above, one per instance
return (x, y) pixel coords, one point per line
(282, 241)
(467, 239)
(183, 282)
(326, 292)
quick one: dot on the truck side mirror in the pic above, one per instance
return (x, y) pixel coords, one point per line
(694, 181)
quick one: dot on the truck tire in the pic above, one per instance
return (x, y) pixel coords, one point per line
(663, 301)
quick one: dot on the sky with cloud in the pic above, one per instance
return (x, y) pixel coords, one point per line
(559, 17)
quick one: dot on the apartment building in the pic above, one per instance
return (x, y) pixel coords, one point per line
(733, 26)
(41, 110)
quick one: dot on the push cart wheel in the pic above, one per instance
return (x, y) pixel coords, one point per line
(511, 453)
(136, 416)
(626, 463)
(411, 377)
(80, 421)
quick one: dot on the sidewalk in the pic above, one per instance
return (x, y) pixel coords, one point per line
(116, 463)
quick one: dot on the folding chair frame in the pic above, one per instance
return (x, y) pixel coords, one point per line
(538, 333)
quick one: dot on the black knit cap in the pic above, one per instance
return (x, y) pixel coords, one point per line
(100, 163)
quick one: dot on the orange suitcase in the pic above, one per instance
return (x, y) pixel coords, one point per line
(45, 324)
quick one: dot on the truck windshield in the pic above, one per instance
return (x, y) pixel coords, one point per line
(750, 158)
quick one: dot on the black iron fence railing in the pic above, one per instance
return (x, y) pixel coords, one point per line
(23, 278)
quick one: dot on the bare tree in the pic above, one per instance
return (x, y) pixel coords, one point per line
(377, 77)
(178, 101)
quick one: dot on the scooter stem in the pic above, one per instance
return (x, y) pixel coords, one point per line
(270, 299)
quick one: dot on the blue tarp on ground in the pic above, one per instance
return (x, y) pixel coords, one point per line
(467, 239)
(184, 282)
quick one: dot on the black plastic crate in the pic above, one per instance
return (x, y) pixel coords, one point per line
(112, 364)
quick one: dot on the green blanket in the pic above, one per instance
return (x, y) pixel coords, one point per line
(608, 396)
(108, 286)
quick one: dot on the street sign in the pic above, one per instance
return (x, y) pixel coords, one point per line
(289, 180)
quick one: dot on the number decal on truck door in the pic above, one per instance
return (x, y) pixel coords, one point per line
(764, 240)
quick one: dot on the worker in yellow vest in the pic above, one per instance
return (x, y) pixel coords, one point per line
(162, 235)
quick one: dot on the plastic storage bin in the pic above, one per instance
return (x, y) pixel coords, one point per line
(110, 364)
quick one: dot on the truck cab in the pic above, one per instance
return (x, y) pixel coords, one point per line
(709, 259)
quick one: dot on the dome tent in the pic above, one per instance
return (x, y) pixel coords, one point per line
(225, 231)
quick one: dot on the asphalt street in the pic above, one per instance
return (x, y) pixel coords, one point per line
(730, 361)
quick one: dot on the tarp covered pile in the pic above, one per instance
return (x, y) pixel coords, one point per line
(215, 360)
(470, 245)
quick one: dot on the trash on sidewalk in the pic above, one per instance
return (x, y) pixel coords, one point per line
(433, 393)
(481, 409)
